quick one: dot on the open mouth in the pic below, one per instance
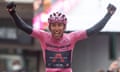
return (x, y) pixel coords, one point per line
(57, 34)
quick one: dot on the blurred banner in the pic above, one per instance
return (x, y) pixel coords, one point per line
(21, 1)
(81, 14)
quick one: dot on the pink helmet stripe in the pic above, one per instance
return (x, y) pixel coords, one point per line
(57, 18)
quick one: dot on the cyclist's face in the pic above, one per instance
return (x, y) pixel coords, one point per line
(57, 30)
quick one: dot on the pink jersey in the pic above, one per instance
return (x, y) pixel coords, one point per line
(58, 53)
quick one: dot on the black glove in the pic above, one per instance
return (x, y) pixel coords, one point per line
(11, 7)
(111, 8)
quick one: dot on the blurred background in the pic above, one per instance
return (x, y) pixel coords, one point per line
(20, 51)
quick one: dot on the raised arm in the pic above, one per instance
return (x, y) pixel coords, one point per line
(97, 27)
(18, 20)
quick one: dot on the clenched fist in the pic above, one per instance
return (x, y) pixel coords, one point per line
(111, 9)
(11, 7)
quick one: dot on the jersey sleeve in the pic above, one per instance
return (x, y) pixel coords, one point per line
(39, 34)
(78, 35)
